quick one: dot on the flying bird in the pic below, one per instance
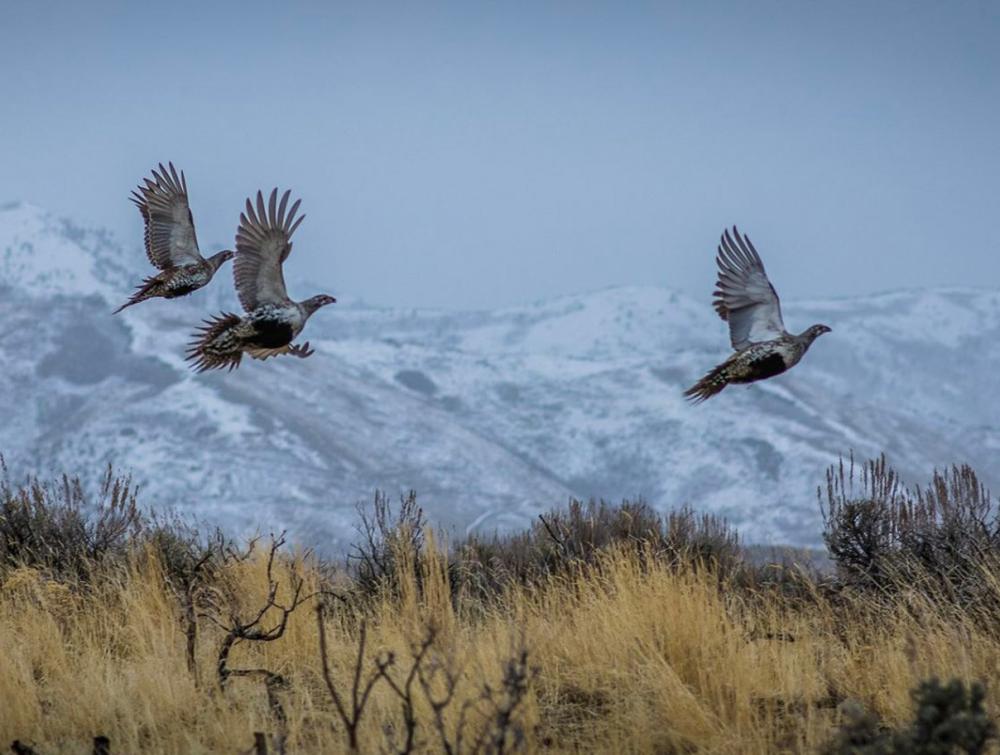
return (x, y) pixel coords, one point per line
(272, 320)
(171, 243)
(745, 298)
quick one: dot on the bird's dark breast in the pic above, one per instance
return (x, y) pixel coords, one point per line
(182, 289)
(762, 368)
(272, 334)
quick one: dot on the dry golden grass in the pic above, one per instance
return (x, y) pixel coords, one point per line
(631, 657)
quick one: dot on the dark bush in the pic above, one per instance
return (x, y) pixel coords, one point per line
(567, 538)
(948, 718)
(861, 733)
(61, 527)
(58, 526)
(563, 539)
(386, 536)
(943, 540)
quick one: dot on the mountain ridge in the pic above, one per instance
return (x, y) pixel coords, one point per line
(492, 415)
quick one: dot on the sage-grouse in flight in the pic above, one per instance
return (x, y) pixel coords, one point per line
(746, 299)
(263, 243)
(171, 244)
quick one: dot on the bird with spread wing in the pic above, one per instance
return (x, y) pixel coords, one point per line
(171, 243)
(272, 320)
(745, 298)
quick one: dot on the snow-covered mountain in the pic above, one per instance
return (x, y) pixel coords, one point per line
(490, 416)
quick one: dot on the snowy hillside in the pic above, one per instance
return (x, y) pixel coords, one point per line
(490, 416)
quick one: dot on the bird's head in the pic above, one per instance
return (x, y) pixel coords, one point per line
(220, 258)
(814, 331)
(315, 302)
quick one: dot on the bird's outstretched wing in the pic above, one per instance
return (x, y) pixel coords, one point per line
(743, 296)
(263, 243)
(163, 202)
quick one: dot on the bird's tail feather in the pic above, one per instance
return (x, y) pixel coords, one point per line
(713, 382)
(214, 346)
(142, 292)
(129, 303)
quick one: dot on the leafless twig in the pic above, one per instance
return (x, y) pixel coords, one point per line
(252, 629)
(359, 690)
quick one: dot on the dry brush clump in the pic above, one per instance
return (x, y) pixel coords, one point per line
(58, 526)
(482, 568)
(940, 542)
(603, 629)
(948, 718)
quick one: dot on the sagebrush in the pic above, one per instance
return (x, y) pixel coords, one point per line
(605, 628)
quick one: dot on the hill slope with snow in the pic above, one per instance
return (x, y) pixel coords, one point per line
(490, 416)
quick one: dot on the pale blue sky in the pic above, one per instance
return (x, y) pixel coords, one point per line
(483, 154)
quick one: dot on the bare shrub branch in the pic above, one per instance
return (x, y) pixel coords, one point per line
(360, 690)
(253, 629)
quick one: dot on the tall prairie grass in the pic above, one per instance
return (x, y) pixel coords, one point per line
(624, 651)
(635, 657)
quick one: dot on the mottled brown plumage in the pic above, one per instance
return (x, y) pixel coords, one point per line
(171, 243)
(745, 298)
